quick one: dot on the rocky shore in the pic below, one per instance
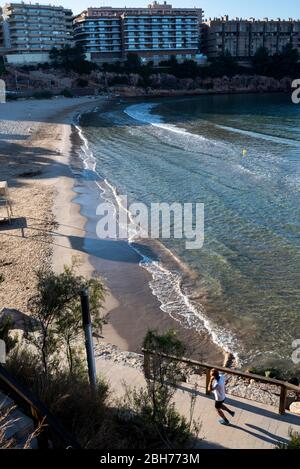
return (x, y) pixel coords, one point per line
(113, 353)
(166, 85)
(247, 389)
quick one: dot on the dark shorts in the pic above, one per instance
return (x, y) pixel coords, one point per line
(218, 404)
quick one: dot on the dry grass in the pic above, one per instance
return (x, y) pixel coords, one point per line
(4, 425)
(10, 443)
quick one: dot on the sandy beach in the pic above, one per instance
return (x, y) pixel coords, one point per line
(56, 206)
(34, 157)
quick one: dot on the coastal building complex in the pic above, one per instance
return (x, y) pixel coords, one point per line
(32, 30)
(242, 38)
(154, 33)
(29, 31)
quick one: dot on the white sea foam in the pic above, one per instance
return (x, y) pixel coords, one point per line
(167, 288)
(87, 156)
(257, 173)
(259, 135)
(142, 113)
(165, 285)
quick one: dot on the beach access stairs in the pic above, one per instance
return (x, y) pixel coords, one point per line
(25, 422)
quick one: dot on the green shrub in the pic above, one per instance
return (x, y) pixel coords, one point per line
(82, 83)
(46, 94)
(267, 372)
(67, 93)
(273, 373)
(119, 80)
(294, 442)
(155, 421)
(71, 58)
(150, 425)
(2, 66)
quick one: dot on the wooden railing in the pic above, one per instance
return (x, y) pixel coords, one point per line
(51, 428)
(283, 385)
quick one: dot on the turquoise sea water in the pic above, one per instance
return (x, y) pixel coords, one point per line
(243, 286)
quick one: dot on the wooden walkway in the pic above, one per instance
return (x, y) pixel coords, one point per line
(255, 425)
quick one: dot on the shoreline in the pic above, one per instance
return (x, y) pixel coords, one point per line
(164, 93)
(70, 242)
(138, 308)
(130, 304)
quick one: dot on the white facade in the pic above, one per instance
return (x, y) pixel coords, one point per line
(27, 59)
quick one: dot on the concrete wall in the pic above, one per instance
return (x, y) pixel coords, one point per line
(27, 59)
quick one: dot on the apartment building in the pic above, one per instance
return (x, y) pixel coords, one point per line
(33, 29)
(242, 37)
(154, 33)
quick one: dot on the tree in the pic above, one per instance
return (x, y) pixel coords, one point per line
(285, 63)
(69, 321)
(225, 65)
(55, 313)
(66, 56)
(173, 62)
(162, 375)
(71, 58)
(190, 69)
(2, 66)
(82, 83)
(132, 63)
(282, 64)
(261, 61)
(154, 420)
(83, 67)
(186, 69)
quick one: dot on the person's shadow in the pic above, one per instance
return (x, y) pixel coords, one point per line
(266, 436)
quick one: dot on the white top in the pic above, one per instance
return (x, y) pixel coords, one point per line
(218, 388)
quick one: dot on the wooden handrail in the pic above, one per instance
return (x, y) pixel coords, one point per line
(37, 409)
(284, 385)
